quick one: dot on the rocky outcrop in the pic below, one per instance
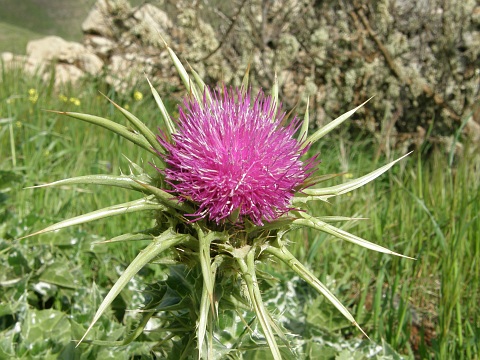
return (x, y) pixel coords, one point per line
(69, 60)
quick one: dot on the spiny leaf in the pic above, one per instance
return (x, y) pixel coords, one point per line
(166, 198)
(136, 236)
(121, 130)
(317, 224)
(120, 209)
(122, 181)
(163, 110)
(303, 133)
(317, 135)
(274, 93)
(245, 80)
(184, 75)
(201, 84)
(161, 243)
(284, 255)
(325, 193)
(141, 127)
(133, 335)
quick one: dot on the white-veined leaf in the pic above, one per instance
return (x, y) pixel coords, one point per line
(161, 243)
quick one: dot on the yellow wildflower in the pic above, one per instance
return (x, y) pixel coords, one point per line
(137, 95)
(32, 95)
(75, 101)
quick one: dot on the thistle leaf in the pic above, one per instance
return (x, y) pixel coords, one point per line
(245, 80)
(284, 255)
(131, 337)
(121, 130)
(135, 236)
(328, 219)
(325, 193)
(140, 126)
(302, 135)
(201, 84)
(166, 198)
(163, 110)
(120, 209)
(274, 93)
(317, 224)
(122, 181)
(184, 75)
(317, 135)
(161, 243)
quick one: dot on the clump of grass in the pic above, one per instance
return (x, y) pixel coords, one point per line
(427, 308)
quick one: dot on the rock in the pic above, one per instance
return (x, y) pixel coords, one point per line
(12, 61)
(98, 22)
(100, 45)
(90, 63)
(65, 73)
(54, 48)
(152, 15)
(6, 57)
(72, 59)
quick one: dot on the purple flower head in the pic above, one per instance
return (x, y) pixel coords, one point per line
(234, 157)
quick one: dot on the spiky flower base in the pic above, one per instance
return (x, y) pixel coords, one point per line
(231, 185)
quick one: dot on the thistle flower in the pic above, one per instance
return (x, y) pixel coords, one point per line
(227, 158)
(231, 156)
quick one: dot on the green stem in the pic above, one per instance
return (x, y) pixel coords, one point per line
(248, 272)
(207, 289)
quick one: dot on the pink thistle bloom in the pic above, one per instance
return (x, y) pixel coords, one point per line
(230, 156)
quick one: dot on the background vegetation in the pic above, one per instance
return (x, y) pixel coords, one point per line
(22, 21)
(426, 207)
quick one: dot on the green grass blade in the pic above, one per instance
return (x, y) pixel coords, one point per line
(325, 193)
(112, 126)
(161, 243)
(331, 125)
(141, 127)
(122, 181)
(284, 255)
(119, 209)
(317, 224)
(163, 110)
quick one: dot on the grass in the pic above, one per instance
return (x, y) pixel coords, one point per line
(52, 284)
